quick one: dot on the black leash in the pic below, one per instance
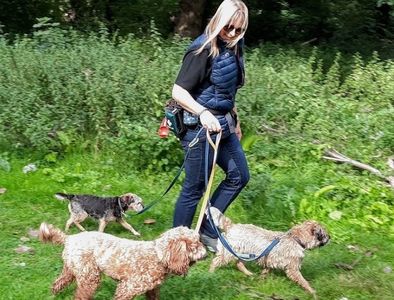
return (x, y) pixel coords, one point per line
(150, 205)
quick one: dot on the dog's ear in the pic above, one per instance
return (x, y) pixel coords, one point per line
(176, 256)
(219, 219)
(128, 198)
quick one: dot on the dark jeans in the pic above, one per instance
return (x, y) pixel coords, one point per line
(230, 158)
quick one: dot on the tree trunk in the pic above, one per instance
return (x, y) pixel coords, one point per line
(190, 18)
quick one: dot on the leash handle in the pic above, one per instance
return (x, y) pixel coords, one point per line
(207, 193)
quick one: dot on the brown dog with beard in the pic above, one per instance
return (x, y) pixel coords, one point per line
(287, 255)
(139, 267)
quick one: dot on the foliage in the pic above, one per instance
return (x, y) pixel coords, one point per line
(62, 92)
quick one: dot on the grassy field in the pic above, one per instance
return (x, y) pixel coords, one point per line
(29, 201)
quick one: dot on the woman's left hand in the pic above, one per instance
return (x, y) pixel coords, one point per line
(238, 131)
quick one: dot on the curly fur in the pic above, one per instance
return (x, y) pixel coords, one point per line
(138, 266)
(287, 255)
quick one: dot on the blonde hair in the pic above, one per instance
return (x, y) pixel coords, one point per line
(228, 13)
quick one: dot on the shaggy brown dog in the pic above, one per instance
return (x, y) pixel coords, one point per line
(287, 255)
(138, 266)
(104, 209)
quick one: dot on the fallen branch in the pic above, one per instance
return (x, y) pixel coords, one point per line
(334, 155)
(308, 42)
(270, 129)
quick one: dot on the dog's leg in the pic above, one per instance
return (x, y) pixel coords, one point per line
(76, 218)
(243, 269)
(264, 272)
(69, 223)
(76, 222)
(87, 284)
(295, 275)
(102, 225)
(79, 226)
(219, 261)
(128, 227)
(153, 294)
(125, 291)
(63, 280)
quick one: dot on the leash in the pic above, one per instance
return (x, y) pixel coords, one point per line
(206, 205)
(240, 256)
(215, 146)
(150, 205)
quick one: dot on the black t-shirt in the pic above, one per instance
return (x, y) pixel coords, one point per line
(195, 69)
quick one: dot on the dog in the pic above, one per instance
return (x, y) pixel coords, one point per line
(138, 266)
(105, 209)
(287, 255)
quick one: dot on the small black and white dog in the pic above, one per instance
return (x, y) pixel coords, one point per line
(104, 209)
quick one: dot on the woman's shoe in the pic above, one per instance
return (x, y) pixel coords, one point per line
(210, 243)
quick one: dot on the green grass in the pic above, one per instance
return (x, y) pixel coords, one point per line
(29, 201)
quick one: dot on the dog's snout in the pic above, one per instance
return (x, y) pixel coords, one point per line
(324, 238)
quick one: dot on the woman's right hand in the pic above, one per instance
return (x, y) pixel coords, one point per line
(209, 121)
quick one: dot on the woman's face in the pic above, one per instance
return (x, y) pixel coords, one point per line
(231, 31)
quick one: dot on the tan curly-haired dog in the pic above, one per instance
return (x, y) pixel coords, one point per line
(138, 266)
(287, 255)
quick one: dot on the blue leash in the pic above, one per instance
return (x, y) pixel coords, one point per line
(240, 256)
(191, 144)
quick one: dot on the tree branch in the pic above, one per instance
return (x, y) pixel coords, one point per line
(334, 155)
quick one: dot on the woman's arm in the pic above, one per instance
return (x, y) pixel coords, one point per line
(238, 130)
(184, 98)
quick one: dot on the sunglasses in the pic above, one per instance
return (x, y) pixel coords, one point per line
(230, 28)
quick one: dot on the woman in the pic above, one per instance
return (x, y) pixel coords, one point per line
(211, 72)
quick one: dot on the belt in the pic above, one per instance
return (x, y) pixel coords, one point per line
(217, 112)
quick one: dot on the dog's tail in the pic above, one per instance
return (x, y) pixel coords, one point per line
(62, 196)
(49, 233)
(220, 220)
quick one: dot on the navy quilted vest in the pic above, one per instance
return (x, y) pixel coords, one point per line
(218, 92)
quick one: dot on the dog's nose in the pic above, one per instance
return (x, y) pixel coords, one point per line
(325, 240)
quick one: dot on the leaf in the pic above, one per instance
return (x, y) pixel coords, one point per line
(33, 233)
(64, 138)
(24, 249)
(248, 141)
(29, 168)
(344, 266)
(5, 165)
(324, 190)
(149, 221)
(51, 157)
(390, 162)
(335, 215)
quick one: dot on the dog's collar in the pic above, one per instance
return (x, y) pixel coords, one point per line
(299, 242)
(122, 211)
